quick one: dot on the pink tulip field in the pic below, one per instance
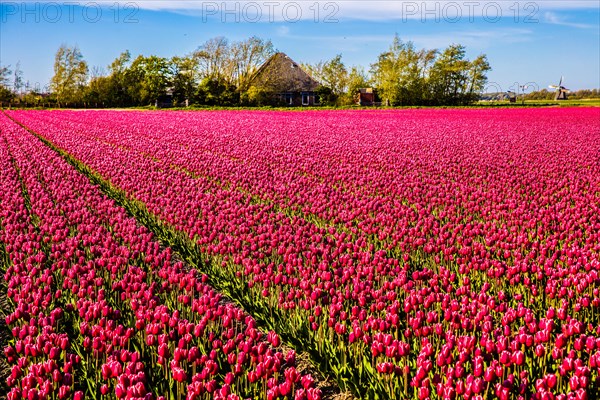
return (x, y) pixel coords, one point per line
(426, 254)
(101, 310)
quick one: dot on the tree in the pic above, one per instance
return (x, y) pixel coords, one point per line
(214, 61)
(185, 77)
(70, 75)
(399, 73)
(120, 64)
(478, 69)
(407, 76)
(357, 79)
(256, 96)
(314, 70)
(215, 92)
(248, 56)
(335, 75)
(6, 95)
(450, 76)
(149, 78)
(99, 92)
(427, 59)
(228, 67)
(118, 74)
(18, 79)
(4, 75)
(326, 95)
(217, 71)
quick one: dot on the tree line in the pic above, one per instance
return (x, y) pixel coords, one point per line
(546, 94)
(219, 72)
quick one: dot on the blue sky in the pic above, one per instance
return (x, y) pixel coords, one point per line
(525, 41)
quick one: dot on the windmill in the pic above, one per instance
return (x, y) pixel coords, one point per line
(561, 91)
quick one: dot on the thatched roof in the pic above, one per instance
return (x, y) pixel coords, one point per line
(282, 74)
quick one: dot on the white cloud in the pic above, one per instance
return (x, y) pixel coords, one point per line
(555, 19)
(376, 10)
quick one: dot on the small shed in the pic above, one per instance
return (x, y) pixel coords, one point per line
(165, 100)
(365, 97)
